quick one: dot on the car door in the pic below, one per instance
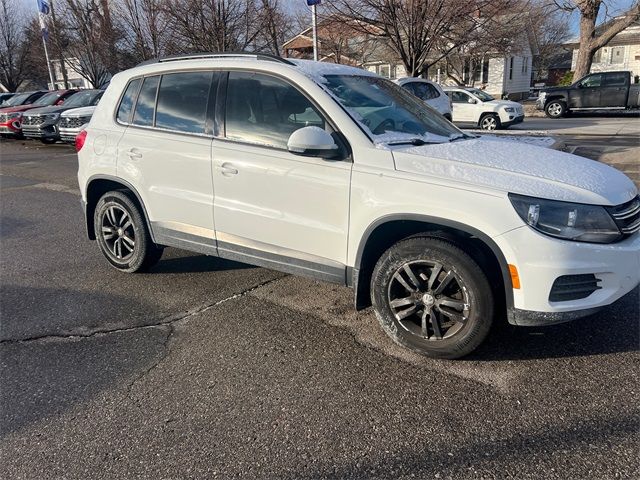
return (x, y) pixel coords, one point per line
(272, 207)
(463, 110)
(587, 92)
(614, 91)
(165, 152)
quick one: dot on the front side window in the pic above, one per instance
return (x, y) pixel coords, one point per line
(425, 91)
(266, 110)
(145, 107)
(388, 111)
(591, 81)
(182, 101)
(128, 99)
(459, 97)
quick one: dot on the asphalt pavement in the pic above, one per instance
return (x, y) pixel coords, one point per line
(205, 368)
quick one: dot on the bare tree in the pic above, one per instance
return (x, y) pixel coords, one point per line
(212, 25)
(145, 27)
(90, 39)
(275, 25)
(422, 32)
(13, 47)
(550, 29)
(591, 38)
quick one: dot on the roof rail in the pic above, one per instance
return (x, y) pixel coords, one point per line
(198, 56)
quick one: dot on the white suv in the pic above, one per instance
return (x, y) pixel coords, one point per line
(337, 174)
(476, 108)
(429, 92)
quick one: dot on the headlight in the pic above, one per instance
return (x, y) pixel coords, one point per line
(509, 109)
(14, 115)
(570, 221)
(52, 117)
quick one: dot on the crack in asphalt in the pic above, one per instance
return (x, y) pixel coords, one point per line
(169, 320)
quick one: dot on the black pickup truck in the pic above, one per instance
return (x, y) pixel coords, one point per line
(596, 91)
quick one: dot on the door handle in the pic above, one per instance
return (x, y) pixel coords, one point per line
(133, 154)
(227, 169)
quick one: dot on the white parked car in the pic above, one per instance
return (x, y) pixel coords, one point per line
(474, 107)
(429, 92)
(73, 121)
(338, 174)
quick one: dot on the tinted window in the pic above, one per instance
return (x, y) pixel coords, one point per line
(126, 104)
(266, 110)
(591, 81)
(182, 101)
(47, 99)
(459, 97)
(145, 106)
(425, 91)
(616, 79)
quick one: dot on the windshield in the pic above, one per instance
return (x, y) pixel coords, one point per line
(83, 99)
(47, 99)
(482, 95)
(16, 100)
(387, 112)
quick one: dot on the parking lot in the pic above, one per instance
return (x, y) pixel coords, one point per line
(206, 368)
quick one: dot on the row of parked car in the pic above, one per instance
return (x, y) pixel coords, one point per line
(48, 116)
(465, 106)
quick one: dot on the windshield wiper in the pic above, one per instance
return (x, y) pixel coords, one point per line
(416, 142)
(459, 136)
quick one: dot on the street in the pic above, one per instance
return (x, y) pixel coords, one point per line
(207, 368)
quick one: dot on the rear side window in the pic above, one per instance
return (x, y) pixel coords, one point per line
(145, 107)
(126, 104)
(182, 101)
(616, 79)
(425, 91)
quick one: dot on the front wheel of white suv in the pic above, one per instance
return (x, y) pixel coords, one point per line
(432, 297)
(122, 233)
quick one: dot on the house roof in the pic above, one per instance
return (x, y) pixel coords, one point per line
(628, 36)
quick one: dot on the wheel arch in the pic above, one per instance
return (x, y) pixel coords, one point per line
(388, 230)
(487, 113)
(97, 186)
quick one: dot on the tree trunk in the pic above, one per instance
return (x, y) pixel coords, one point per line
(588, 15)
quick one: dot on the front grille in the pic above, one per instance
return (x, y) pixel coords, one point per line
(627, 216)
(73, 122)
(32, 120)
(573, 287)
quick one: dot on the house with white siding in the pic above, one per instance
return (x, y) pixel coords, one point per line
(621, 53)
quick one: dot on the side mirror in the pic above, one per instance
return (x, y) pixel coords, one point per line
(312, 142)
(471, 100)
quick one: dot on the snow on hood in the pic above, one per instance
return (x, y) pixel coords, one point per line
(519, 168)
(79, 112)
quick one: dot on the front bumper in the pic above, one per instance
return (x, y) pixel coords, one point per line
(40, 132)
(513, 121)
(10, 128)
(541, 260)
(68, 135)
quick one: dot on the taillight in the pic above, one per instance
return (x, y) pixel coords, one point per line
(80, 138)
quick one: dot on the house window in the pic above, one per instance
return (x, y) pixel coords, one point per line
(485, 71)
(385, 71)
(510, 68)
(617, 55)
(525, 65)
(597, 57)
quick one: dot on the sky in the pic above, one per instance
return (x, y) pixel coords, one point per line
(615, 7)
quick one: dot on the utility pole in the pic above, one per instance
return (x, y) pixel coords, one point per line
(314, 26)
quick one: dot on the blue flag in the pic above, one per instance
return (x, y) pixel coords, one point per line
(313, 2)
(43, 7)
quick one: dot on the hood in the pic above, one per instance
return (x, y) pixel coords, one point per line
(503, 103)
(511, 166)
(17, 108)
(45, 110)
(79, 112)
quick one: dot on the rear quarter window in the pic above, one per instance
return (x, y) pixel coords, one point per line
(146, 104)
(126, 104)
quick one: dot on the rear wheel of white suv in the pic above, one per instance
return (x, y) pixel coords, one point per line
(123, 235)
(432, 297)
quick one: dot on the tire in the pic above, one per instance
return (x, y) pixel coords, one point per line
(489, 121)
(122, 233)
(48, 141)
(555, 109)
(453, 334)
